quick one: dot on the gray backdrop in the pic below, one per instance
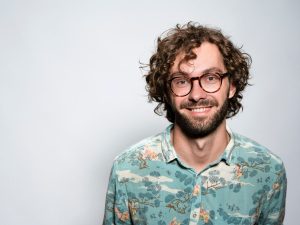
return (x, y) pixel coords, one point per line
(72, 95)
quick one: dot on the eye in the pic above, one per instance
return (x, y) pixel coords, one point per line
(180, 82)
(210, 78)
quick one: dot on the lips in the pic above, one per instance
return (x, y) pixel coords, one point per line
(200, 109)
(201, 105)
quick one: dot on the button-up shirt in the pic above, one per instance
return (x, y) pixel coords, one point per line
(149, 184)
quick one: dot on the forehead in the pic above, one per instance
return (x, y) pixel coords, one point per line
(208, 57)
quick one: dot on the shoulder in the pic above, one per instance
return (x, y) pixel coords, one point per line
(148, 147)
(248, 150)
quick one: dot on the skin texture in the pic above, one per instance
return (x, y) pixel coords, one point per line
(199, 150)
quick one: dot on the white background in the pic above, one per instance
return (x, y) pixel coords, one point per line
(72, 95)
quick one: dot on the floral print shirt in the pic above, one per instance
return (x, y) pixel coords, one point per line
(149, 184)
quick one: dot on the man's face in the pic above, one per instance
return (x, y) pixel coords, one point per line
(200, 113)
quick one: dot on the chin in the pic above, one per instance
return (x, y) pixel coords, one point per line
(201, 126)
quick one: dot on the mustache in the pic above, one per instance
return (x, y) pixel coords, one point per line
(200, 103)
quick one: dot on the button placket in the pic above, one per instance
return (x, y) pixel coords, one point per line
(196, 203)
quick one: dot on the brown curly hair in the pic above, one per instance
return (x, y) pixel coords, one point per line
(183, 39)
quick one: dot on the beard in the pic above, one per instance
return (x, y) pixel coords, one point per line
(200, 127)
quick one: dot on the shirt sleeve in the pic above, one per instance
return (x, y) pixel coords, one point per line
(274, 206)
(116, 204)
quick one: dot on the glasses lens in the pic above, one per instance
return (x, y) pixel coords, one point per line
(180, 86)
(210, 82)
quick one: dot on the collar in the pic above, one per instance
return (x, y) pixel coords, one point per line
(169, 152)
(167, 146)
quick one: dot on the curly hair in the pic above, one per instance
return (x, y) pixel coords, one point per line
(183, 39)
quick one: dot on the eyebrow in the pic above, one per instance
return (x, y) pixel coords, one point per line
(209, 70)
(212, 69)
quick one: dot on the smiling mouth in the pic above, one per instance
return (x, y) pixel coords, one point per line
(200, 109)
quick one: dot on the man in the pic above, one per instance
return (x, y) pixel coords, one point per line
(197, 171)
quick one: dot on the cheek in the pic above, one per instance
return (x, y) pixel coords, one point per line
(227, 92)
(170, 100)
(220, 97)
(175, 102)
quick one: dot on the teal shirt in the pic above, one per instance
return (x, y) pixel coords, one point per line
(149, 184)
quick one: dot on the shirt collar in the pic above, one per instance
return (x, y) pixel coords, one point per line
(227, 154)
(167, 146)
(170, 153)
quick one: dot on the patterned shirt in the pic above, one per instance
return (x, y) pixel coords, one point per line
(149, 184)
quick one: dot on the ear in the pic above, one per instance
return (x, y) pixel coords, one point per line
(232, 90)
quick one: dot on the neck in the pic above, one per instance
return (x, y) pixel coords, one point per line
(199, 152)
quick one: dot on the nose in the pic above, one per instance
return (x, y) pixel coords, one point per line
(197, 92)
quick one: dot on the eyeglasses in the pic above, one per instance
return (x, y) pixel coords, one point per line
(181, 85)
